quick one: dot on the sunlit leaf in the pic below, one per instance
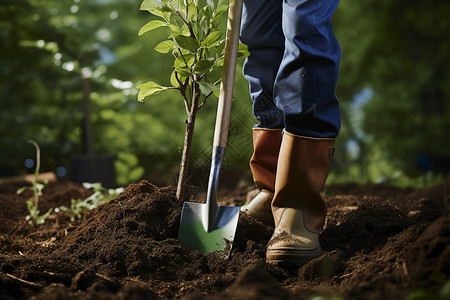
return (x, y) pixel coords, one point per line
(243, 50)
(167, 8)
(184, 61)
(148, 89)
(212, 39)
(192, 11)
(218, 14)
(174, 28)
(220, 47)
(220, 2)
(219, 63)
(157, 8)
(204, 24)
(174, 81)
(165, 46)
(152, 25)
(151, 4)
(197, 29)
(221, 9)
(211, 3)
(185, 30)
(208, 12)
(22, 189)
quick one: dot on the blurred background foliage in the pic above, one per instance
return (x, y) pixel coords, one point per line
(393, 87)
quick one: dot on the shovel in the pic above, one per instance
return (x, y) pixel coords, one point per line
(207, 226)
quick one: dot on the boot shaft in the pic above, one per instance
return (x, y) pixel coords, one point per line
(302, 170)
(263, 164)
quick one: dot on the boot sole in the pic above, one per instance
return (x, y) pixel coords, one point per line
(291, 256)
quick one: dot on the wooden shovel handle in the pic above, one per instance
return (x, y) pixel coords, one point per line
(228, 73)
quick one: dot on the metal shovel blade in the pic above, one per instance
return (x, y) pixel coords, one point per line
(219, 237)
(209, 227)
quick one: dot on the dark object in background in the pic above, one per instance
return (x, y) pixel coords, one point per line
(94, 168)
(90, 167)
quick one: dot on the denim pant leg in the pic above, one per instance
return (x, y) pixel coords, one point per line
(306, 80)
(261, 32)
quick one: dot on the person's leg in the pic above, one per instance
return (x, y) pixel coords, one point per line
(306, 80)
(261, 31)
(304, 91)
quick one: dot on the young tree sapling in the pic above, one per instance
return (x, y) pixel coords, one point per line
(198, 47)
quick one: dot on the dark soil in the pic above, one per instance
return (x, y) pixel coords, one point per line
(381, 242)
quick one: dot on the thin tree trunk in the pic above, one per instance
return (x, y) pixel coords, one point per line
(184, 165)
(190, 124)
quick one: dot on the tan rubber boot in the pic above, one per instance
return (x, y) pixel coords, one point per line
(298, 207)
(263, 164)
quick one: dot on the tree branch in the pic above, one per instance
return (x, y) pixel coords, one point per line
(204, 100)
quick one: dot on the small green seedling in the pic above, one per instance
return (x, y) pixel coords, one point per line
(198, 47)
(78, 207)
(35, 218)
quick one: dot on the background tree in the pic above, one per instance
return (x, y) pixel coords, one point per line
(399, 51)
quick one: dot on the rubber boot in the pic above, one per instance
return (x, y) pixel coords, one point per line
(263, 164)
(298, 207)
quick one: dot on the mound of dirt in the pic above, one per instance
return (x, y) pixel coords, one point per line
(378, 243)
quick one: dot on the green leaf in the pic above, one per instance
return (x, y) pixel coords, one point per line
(152, 25)
(183, 71)
(192, 11)
(208, 12)
(22, 189)
(151, 4)
(175, 29)
(173, 79)
(165, 46)
(212, 39)
(211, 3)
(39, 188)
(203, 66)
(196, 28)
(208, 87)
(185, 30)
(243, 50)
(218, 14)
(187, 42)
(221, 9)
(204, 24)
(220, 48)
(181, 63)
(148, 89)
(157, 8)
(136, 173)
(41, 219)
(219, 63)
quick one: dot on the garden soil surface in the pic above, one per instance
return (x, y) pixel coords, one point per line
(381, 242)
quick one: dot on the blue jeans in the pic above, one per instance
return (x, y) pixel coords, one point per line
(293, 65)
